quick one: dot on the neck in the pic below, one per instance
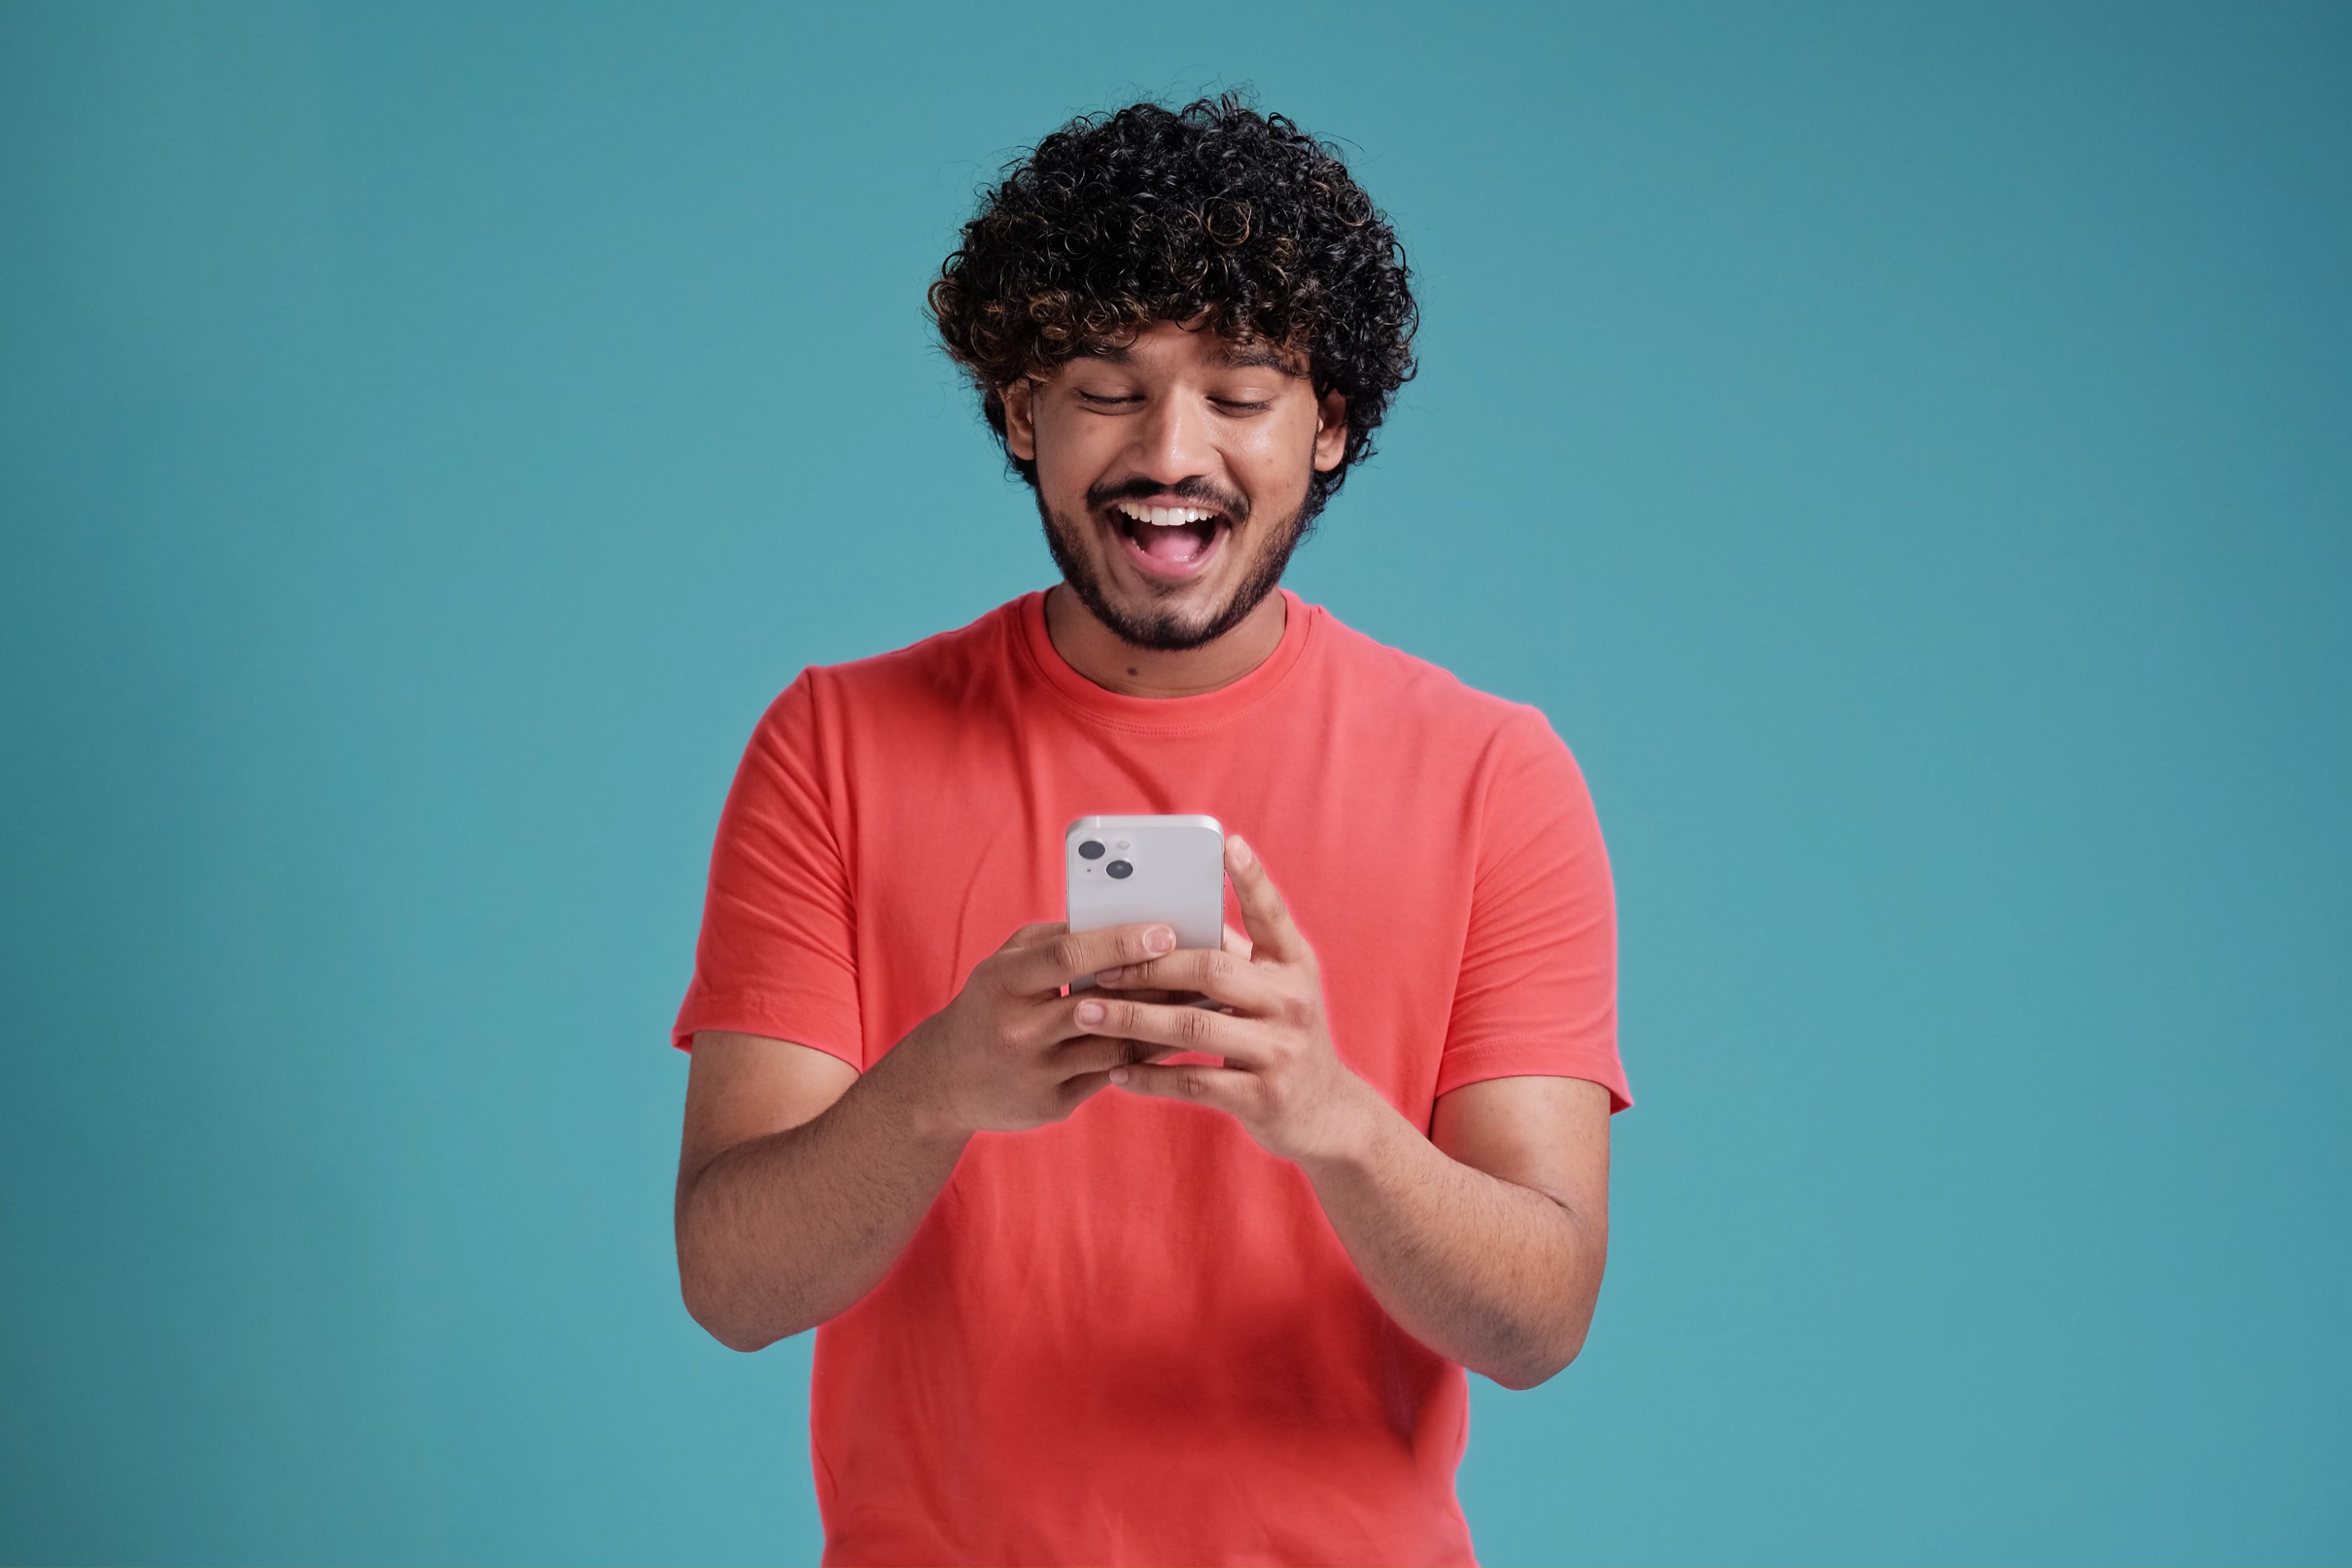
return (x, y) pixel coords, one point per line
(1100, 654)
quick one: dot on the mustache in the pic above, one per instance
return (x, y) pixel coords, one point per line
(1196, 490)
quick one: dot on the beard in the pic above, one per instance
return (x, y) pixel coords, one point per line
(1165, 631)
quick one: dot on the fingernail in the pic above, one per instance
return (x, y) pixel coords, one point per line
(1090, 1011)
(1111, 976)
(1119, 1075)
(1159, 938)
(1242, 850)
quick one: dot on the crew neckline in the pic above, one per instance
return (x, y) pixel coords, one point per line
(1165, 713)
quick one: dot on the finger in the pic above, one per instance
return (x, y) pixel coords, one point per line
(1224, 1087)
(1100, 1053)
(1236, 943)
(1172, 1028)
(1219, 976)
(1263, 912)
(1076, 1092)
(1034, 934)
(1053, 963)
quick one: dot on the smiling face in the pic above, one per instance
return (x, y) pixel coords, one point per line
(1172, 477)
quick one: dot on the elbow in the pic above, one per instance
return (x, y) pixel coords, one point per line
(714, 1293)
(733, 1330)
(702, 1306)
(1535, 1357)
(1547, 1344)
(722, 1313)
(735, 1337)
(1533, 1370)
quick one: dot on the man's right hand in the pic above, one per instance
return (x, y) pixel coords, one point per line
(1008, 1053)
(799, 1182)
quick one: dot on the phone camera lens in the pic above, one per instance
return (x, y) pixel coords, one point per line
(1117, 867)
(1092, 850)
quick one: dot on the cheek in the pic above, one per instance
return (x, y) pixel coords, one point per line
(1278, 453)
(1067, 461)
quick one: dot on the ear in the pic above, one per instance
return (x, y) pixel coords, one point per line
(1020, 419)
(1331, 432)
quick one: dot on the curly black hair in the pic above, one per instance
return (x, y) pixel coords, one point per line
(1211, 215)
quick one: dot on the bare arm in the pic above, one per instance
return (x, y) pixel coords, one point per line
(799, 1182)
(1483, 1241)
(1485, 1245)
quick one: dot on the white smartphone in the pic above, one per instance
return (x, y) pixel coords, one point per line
(1124, 870)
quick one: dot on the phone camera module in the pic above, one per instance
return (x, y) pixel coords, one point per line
(1117, 867)
(1092, 850)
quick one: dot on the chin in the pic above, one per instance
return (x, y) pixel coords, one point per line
(1173, 607)
(1157, 624)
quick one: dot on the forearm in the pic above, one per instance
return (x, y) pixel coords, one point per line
(1498, 1277)
(779, 1234)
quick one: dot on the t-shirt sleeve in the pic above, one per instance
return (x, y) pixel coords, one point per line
(1537, 995)
(778, 953)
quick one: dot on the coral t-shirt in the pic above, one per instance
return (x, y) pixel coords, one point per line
(1133, 1337)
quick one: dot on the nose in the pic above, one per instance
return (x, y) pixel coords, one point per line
(1172, 441)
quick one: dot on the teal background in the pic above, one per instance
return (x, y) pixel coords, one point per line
(1904, 451)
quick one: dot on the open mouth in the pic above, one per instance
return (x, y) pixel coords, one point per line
(1169, 540)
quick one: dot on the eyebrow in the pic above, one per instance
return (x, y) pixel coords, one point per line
(1256, 356)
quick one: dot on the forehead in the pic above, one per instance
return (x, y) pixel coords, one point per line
(1166, 347)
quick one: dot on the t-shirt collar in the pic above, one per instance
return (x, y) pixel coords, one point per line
(1164, 713)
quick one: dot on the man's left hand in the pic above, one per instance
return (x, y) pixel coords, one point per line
(1281, 1078)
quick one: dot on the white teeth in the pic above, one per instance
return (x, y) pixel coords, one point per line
(1164, 516)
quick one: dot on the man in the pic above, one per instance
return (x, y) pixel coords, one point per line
(1103, 1277)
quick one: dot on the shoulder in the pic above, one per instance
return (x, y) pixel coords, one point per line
(940, 674)
(1423, 701)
